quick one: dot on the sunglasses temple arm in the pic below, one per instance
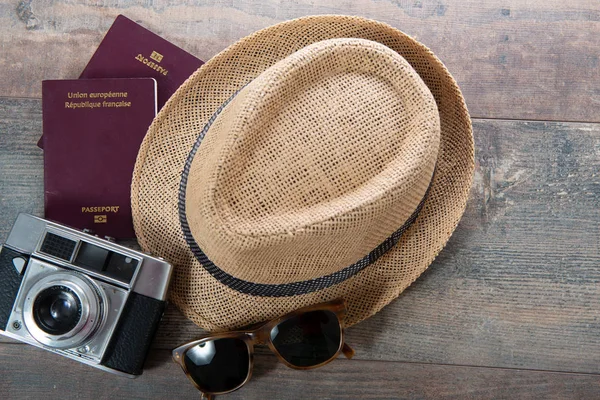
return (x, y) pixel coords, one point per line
(348, 351)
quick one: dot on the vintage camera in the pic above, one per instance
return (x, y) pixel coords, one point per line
(80, 296)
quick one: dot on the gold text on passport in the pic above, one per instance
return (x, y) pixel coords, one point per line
(154, 65)
(103, 209)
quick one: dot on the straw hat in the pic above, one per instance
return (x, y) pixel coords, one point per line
(323, 157)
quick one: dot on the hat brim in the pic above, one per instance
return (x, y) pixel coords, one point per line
(163, 153)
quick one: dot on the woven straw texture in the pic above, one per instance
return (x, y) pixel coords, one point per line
(314, 163)
(361, 115)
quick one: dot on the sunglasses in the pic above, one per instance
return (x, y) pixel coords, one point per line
(303, 339)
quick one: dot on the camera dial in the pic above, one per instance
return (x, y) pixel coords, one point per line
(63, 309)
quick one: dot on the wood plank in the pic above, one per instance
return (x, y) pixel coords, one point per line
(513, 59)
(26, 372)
(21, 162)
(517, 285)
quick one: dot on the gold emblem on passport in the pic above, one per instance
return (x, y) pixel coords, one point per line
(151, 64)
(156, 56)
(99, 219)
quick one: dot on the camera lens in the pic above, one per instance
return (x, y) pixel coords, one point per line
(57, 310)
(63, 309)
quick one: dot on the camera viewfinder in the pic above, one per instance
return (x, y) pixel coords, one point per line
(106, 262)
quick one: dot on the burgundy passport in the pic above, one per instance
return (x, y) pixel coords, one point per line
(129, 50)
(93, 129)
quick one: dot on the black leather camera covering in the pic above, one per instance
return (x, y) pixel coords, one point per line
(131, 340)
(10, 281)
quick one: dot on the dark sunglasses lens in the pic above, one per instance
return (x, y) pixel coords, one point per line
(218, 365)
(308, 339)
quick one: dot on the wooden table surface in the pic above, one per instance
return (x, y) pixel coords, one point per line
(511, 307)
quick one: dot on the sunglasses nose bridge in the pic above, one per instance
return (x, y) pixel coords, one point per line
(260, 337)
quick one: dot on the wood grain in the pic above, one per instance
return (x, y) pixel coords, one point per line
(517, 286)
(21, 162)
(513, 59)
(26, 372)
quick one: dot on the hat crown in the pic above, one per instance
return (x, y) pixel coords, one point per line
(314, 163)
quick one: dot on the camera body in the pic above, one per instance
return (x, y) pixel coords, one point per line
(80, 296)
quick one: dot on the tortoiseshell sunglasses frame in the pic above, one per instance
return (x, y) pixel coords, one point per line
(261, 334)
